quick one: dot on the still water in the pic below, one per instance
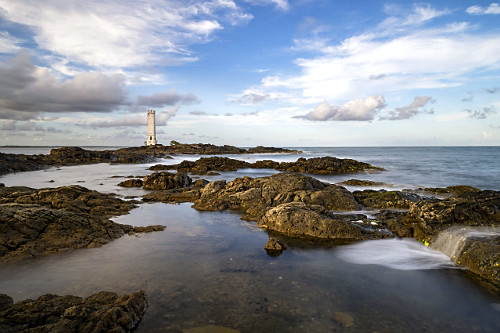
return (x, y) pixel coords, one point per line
(211, 269)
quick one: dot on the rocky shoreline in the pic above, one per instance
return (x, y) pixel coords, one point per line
(77, 156)
(291, 204)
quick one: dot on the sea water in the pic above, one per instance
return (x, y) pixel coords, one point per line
(211, 269)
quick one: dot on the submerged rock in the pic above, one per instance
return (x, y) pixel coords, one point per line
(101, 312)
(358, 182)
(274, 247)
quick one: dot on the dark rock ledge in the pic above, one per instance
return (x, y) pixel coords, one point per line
(319, 165)
(35, 222)
(101, 312)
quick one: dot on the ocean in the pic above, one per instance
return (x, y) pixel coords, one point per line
(210, 270)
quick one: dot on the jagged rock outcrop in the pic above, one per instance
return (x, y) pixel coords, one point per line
(101, 312)
(452, 190)
(35, 222)
(166, 181)
(361, 182)
(131, 183)
(297, 219)
(427, 218)
(178, 195)
(255, 196)
(319, 165)
(326, 166)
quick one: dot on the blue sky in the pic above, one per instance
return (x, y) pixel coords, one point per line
(250, 72)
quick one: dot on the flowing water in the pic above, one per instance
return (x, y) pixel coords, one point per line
(210, 269)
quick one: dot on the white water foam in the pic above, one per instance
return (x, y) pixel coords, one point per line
(400, 254)
(451, 241)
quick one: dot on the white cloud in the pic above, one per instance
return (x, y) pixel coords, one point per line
(128, 33)
(407, 112)
(361, 109)
(8, 43)
(367, 63)
(280, 4)
(493, 8)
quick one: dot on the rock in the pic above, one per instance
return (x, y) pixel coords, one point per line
(149, 228)
(160, 167)
(272, 150)
(73, 198)
(101, 312)
(343, 319)
(185, 194)
(326, 166)
(37, 222)
(357, 182)
(255, 196)
(453, 190)
(482, 256)
(429, 217)
(206, 165)
(297, 219)
(393, 220)
(5, 302)
(274, 247)
(386, 199)
(166, 181)
(210, 329)
(131, 183)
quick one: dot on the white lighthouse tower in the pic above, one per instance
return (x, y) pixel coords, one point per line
(151, 140)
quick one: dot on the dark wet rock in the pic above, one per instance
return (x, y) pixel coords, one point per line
(393, 220)
(358, 182)
(205, 165)
(205, 149)
(101, 312)
(5, 302)
(429, 217)
(2, 185)
(271, 150)
(29, 230)
(326, 166)
(274, 247)
(265, 164)
(160, 167)
(297, 219)
(73, 198)
(481, 256)
(35, 222)
(131, 183)
(178, 195)
(453, 190)
(149, 228)
(254, 196)
(386, 199)
(166, 181)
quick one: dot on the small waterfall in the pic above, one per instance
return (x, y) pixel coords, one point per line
(452, 240)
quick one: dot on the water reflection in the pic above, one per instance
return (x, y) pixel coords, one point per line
(210, 268)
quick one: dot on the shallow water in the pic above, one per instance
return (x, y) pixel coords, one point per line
(210, 268)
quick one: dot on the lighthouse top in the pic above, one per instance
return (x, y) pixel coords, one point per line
(151, 139)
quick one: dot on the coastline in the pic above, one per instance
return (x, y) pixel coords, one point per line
(391, 201)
